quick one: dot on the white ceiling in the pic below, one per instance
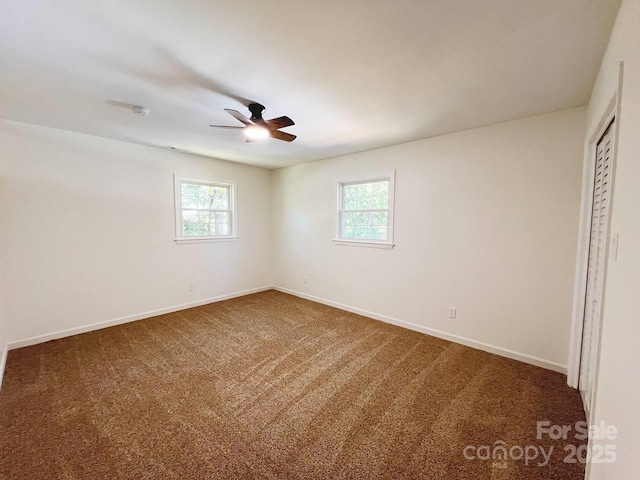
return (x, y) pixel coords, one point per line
(354, 75)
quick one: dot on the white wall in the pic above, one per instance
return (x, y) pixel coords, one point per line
(486, 221)
(618, 391)
(87, 229)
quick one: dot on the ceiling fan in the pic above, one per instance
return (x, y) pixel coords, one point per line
(257, 128)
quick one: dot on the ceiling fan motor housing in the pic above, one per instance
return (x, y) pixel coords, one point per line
(256, 112)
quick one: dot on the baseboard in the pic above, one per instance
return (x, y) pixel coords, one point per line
(522, 357)
(3, 362)
(131, 318)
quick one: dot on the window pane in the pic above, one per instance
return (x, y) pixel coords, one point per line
(193, 224)
(364, 189)
(380, 218)
(358, 220)
(350, 191)
(348, 218)
(220, 229)
(379, 232)
(366, 196)
(190, 196)
(362, 218)
(380, 202)
(348, 232)
(351, 203)
(221, 218)
(381, 188)
(218, 198)
(205, 196)
(363, 232)
(205, 223)
(364, 203)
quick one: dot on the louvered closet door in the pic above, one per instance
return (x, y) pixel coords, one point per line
(595, 272)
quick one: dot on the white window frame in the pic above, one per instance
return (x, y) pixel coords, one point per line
(181, 239)
(376, 177)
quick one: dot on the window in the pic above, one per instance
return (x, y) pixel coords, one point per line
(365, 211)
(204, 211)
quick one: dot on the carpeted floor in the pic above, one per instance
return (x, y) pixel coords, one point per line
(273, 386)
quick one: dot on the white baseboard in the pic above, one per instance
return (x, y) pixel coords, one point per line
(522, 357)
(131, 318)
(3, 362)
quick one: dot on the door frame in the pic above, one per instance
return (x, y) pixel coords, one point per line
(611, 112)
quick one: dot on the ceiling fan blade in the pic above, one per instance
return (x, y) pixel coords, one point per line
(226, 126)
(280, 122)
(287, 137)
(237, 115)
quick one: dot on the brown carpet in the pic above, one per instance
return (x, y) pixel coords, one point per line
(273, 386)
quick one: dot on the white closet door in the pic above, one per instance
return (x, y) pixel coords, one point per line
(595, 272)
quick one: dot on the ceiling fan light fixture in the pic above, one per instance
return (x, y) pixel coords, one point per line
(255, 132)
(257, 128)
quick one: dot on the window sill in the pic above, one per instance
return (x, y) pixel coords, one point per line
(186, 241)
(363, 243)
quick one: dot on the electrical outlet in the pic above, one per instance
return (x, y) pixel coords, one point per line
(305, 279)
(452, 312)
(190, 287)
